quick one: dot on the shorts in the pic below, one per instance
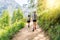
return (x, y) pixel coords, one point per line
(28, 21)
(34, 20)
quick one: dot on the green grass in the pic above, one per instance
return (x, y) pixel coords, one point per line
(53, 30)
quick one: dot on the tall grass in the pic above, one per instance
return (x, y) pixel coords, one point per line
(50, 22)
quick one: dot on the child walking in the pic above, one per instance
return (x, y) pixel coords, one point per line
(34, 20)
(28, 21)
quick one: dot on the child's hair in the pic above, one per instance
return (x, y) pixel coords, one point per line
(28, 15)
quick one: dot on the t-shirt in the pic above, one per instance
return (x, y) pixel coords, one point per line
(28, 18)
(34, 16)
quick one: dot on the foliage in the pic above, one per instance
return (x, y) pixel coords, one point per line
(9, 31)
(17, 15)
(41, 6)
(49, 20)
(5, 19)
(9, 26)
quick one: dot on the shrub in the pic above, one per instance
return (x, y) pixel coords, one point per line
(8, 32)
(50, 22)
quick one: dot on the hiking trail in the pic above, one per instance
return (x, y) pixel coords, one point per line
(27, 34)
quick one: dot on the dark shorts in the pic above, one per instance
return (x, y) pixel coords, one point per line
(28, 21)
(34, 20)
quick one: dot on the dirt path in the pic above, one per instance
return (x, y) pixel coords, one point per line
(27, 34)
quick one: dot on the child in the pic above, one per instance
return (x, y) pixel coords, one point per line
(28, 21)
(34, 20)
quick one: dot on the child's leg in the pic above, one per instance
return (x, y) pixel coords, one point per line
(34, 25)
(29, 24)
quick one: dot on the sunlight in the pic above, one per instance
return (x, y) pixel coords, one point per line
(21, 2)
(50, 3)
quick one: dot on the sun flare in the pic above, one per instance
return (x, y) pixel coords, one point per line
(52, 3)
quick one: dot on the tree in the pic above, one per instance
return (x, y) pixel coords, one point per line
(14, 16)
(17, 15)
(41, 6)
(5, 18)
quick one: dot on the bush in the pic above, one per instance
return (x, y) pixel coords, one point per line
(11, 25)
(50, 22)
(17, 15)
(8, 32)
